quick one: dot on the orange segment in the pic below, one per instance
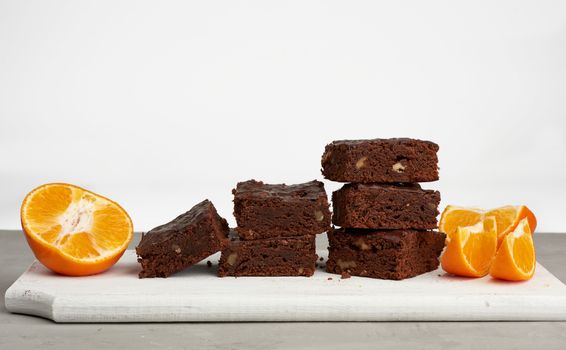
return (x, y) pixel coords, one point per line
(109, 227)
(79, 245)
(73, 231)
(471, 249)
(453, 217)
(516, 258)
(508, 218)
(44, 207)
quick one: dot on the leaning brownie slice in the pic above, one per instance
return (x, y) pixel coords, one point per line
(385, 206)
(290, 256)
(183, 242)
(265, 211)
(394, 254)
(381, 160)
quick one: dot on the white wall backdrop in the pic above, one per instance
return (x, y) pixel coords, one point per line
(159, 104)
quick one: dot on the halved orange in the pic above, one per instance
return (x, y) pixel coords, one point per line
(73, 231)
(516, 258)
(507, 218)
(470, 250)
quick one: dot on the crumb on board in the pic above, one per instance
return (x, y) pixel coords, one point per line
(208, 263)
(329, 278)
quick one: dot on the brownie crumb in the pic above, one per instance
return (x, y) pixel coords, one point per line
(208, 263)
(345, 275)
(321, 258)
(329, 278)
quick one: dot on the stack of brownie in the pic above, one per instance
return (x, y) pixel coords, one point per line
(386, 219)
(277, 225)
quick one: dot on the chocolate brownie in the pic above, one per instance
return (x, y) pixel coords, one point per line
(385, 206)
(183, 242)
(381, 160)
(264, 211)
(393, 254)
(290, 256)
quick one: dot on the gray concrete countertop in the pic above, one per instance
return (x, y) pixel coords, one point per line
(21, 331)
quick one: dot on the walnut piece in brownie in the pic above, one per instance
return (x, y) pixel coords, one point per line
(289, 256)
(265, 210)
(385, 206)
(381, 160)
(392, 254)
(188, 239)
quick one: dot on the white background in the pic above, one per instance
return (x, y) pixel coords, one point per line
(161, 104)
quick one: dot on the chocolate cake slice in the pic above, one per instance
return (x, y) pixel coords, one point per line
(289, 256)
(381, 160)
(392, 254)
(385, 206)
(183, 242)
(279, 210)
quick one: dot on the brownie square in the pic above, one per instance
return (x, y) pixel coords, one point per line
(265, 211)
(385, 206)
(393, 254)
(183, 242)
(290, 256)
(381, 160)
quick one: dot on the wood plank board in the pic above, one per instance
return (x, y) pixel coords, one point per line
(197, 295)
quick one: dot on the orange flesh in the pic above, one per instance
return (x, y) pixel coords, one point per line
(479, 249)
(454, 217)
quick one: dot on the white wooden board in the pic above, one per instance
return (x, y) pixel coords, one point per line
(198, 295)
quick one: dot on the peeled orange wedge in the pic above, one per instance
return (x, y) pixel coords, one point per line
(470, 250)
(507, 219)
(516, 258)
(73, 231)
